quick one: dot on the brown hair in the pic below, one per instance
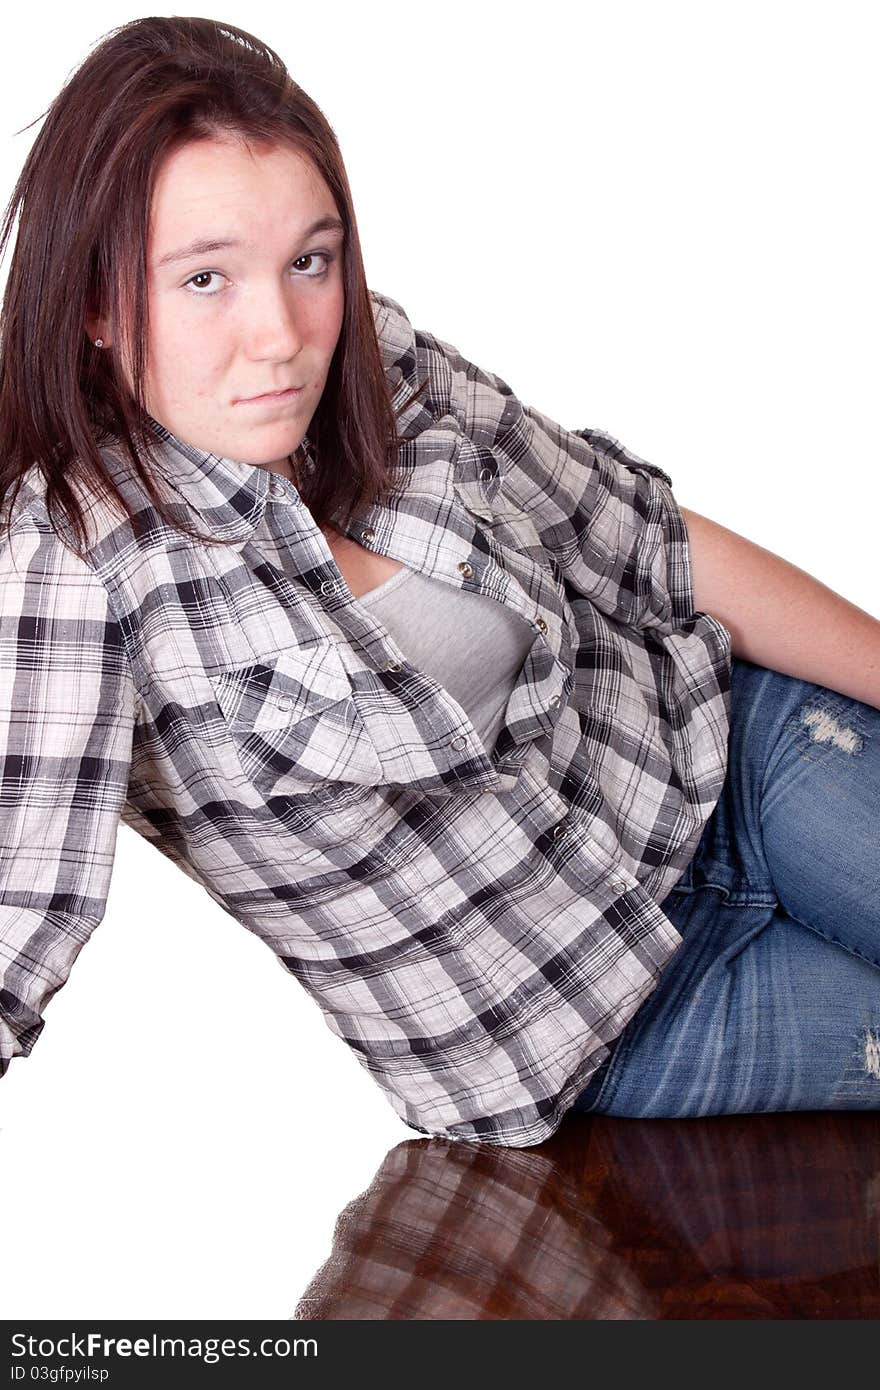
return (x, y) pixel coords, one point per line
(84, 196)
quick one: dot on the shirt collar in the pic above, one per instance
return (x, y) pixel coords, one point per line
(229, 495)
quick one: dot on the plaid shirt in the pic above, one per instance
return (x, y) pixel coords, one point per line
(477, 927)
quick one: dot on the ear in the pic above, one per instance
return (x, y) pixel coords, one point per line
(97, 328)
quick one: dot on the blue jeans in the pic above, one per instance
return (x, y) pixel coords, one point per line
(772, 1002)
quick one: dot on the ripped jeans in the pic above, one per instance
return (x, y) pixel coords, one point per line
(772, 1002)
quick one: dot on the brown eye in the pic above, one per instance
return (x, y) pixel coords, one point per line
(313, 256)
(201, 275)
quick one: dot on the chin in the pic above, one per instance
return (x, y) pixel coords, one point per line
(280, 449)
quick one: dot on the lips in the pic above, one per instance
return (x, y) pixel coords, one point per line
(269, 395)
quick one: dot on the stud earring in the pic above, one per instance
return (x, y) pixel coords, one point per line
(99, 342)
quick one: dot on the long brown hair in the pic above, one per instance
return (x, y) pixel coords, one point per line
(83, 200)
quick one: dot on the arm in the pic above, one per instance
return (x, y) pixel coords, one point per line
(780, 616)
(66, 720)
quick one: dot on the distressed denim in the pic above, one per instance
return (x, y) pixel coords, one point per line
(772, 1002)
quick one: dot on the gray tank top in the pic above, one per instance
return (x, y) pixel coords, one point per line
(473, 646)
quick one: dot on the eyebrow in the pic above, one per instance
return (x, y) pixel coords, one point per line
(203, 246)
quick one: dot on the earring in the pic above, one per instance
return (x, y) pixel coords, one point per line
(99, 342)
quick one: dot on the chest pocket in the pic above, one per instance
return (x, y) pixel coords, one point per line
(508, 525)
(295, 726)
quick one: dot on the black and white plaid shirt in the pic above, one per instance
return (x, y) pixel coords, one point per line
(478, 927)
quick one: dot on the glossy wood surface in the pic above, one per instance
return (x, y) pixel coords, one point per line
(732, 1216)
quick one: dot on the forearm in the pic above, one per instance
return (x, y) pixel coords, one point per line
(781, 617)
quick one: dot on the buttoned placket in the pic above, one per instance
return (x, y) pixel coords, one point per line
(283, 491)
(349, 616)
(362, 627)
(487, 477)
(366, 536)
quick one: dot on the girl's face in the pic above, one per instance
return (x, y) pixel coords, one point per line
(246, 297)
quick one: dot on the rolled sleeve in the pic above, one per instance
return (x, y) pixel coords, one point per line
(608, 517)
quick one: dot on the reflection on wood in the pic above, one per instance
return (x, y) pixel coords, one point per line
(733, 1216)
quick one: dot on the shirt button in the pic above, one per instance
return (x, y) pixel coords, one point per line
(539, 622)
(466, 569)
(329, 586)
(487, 474)
(276, 487)
(368, 536)
(560, 829)
(460, 741)
(284, 702)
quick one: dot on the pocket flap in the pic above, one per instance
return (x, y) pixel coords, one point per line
(471, 495)
(277, 693)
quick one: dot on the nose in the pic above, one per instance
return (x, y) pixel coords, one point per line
(273, 330)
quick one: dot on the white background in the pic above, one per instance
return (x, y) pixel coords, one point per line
(657, 219)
